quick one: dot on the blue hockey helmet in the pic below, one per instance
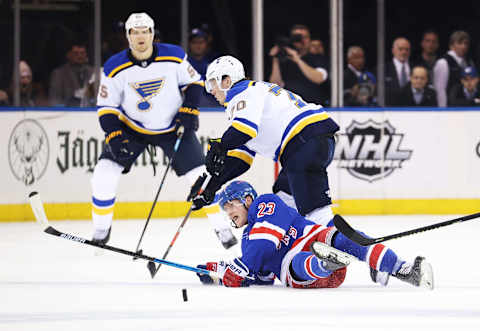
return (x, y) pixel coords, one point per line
(237, 189)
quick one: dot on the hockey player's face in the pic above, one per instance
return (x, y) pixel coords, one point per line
(237, 212)
(216, 91)
(140, 39)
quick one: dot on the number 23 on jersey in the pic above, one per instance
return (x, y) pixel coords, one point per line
(265, 209)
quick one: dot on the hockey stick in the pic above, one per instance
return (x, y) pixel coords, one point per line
(41, 218)
(362, 240)
(152, 267)
(180, 132)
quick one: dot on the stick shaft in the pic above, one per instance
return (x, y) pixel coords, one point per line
(51, 230)
(151, 266)
(360, 239)
(180, 132)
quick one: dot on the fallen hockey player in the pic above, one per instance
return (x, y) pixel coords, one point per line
(278, 242)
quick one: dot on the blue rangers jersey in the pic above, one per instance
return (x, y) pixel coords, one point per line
(272, 229)
(146, 94)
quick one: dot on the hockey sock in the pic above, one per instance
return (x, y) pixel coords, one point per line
(376, 256)
(104, 185)
(307, 266)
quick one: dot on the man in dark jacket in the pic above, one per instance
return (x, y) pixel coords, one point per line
(466, 94)
(417, 93)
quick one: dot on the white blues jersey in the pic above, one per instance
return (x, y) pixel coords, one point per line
(146, 95)
(271, 116)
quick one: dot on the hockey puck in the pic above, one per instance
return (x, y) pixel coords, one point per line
(184, 294)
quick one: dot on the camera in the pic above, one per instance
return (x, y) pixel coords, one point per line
(283, 41)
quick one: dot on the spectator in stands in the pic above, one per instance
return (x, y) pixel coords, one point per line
(428, 56)
(397, 71)
(448, 69)
(299, 71)
(466, 94)
(68, 82)
(358, 83)
(30, 95)
(3, 99)
(316, 47)
(200, 56)
(417, 93)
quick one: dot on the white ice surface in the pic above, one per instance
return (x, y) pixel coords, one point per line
(49, 283)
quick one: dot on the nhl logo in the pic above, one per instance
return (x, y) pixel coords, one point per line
(370, 150)
(28, 151)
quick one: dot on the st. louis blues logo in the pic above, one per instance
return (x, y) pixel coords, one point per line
(147, 90)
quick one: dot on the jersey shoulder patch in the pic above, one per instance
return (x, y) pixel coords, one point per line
(169, 52)
(116, 63)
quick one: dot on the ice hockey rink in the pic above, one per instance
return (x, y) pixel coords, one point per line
(48, 283)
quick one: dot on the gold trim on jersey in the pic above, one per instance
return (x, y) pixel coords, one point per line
(130, 123)
(242, 155)
(168, 58)
(300, 125)
(119, 68)
(242, 127)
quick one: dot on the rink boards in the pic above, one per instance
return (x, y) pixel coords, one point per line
(387, 161)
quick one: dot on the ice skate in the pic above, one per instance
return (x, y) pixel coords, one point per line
(100, 237)
(419, 274)
(227, 238)
(334, 259)
(380, 277)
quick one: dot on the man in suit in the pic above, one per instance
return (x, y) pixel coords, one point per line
(417, 93)
(397, 71)
(358, 83)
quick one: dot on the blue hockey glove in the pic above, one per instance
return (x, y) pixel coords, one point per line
(215, 158)
(118, 145)
(188, 117)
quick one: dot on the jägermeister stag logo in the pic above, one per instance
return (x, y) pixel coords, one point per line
(28, 151)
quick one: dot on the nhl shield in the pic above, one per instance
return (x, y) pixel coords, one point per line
(370, 150)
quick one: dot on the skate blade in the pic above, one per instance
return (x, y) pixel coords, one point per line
(325, 252)
(426, 275)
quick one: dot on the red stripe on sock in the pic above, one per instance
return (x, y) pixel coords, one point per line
(375, 254)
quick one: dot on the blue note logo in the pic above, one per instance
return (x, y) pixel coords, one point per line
(147, 90)
(370, 150)
(28, 151)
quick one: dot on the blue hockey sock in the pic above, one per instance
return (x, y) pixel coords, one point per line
(376, 256)
(307, 266)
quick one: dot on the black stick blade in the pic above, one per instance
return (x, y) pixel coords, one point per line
(152, 267)
(350, 232)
